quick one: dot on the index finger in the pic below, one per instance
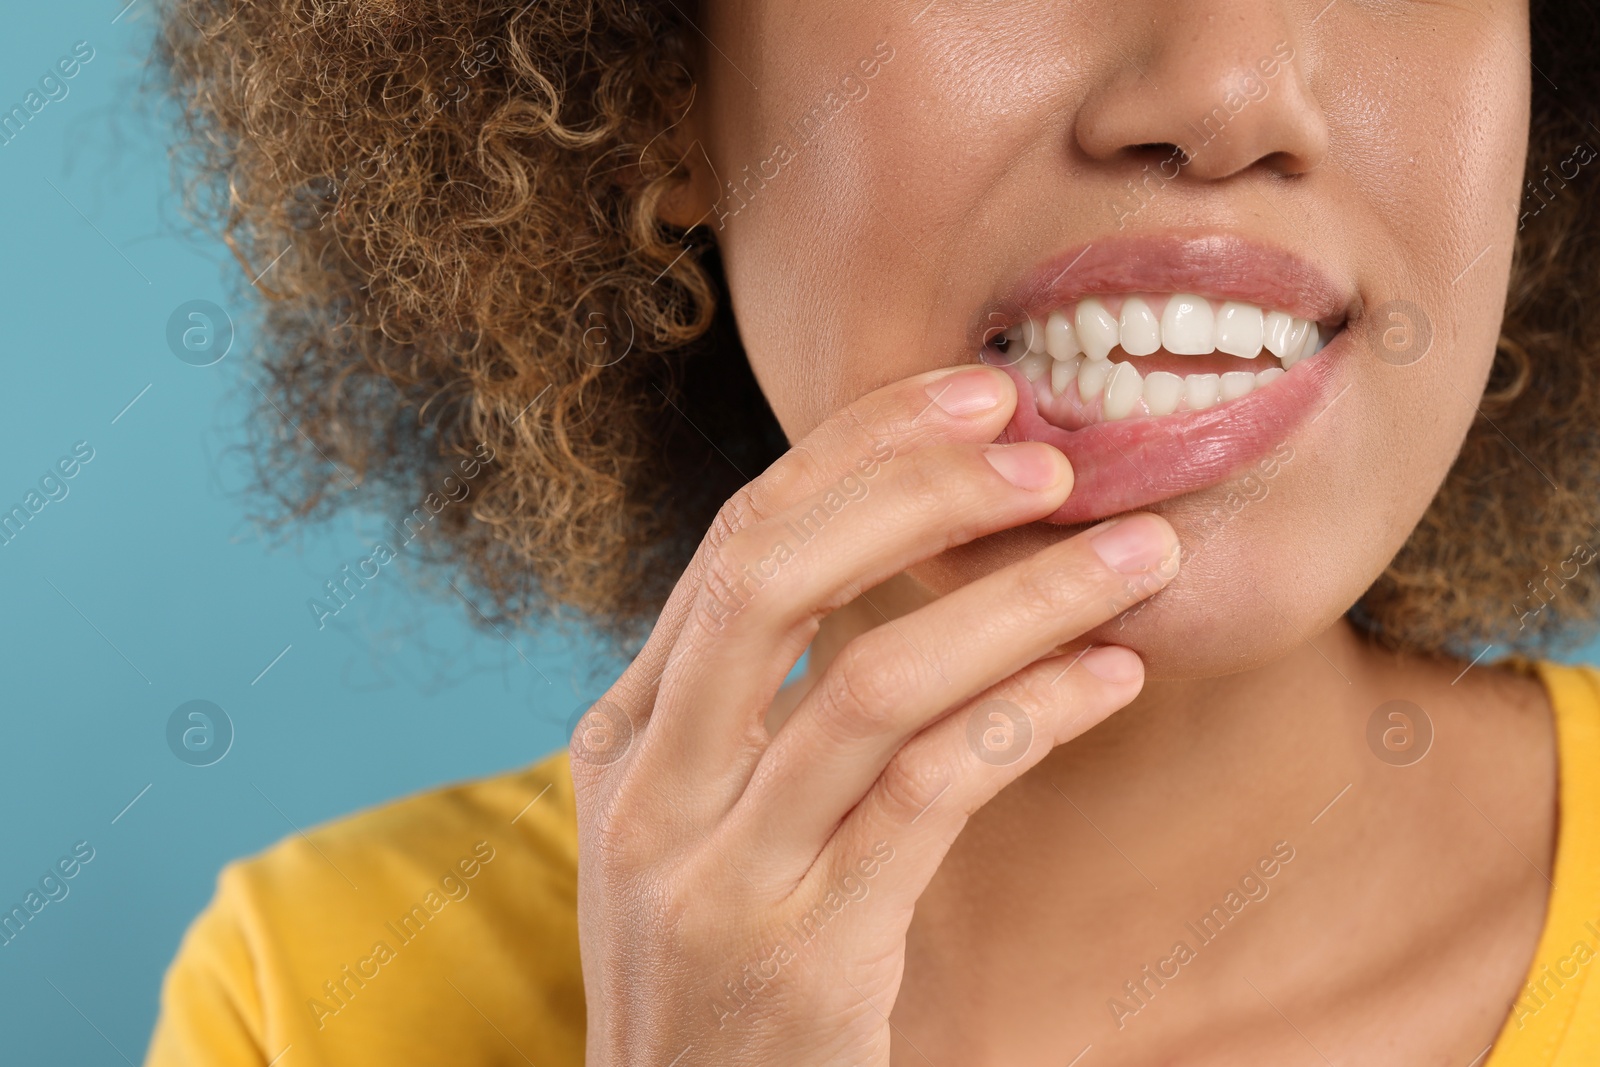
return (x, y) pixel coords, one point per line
(965, 403)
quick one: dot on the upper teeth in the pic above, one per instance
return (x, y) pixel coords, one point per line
(1074, 345)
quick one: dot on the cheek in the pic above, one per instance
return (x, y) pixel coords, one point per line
(853, 265)
(1435, 157)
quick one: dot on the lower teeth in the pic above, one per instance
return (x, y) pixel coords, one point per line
(1124, 392)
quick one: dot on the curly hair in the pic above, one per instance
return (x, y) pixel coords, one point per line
(450, 210)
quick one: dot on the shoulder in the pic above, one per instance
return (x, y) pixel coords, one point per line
(366, 937)
(451, 844)
(1574, 689)
(1555, 1018)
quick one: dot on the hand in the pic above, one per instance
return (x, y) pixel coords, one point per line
(743, 898)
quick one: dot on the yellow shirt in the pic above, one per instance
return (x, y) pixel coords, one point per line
(443, 929)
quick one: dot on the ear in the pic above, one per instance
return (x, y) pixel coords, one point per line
(692, 196)
(692, 201)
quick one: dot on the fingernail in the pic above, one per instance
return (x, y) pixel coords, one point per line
(1133, 545)
(1026, 465)
(971, 392)
(1113, 663)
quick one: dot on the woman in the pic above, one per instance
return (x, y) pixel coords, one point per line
(1169, 427)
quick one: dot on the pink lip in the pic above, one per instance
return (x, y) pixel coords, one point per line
(1132, 463)
(1222, 266)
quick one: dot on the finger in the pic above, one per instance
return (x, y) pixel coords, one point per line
(767, 588)
(970, 403)
(890, 683)
(923, 798)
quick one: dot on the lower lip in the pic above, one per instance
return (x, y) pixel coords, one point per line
(1133, 463)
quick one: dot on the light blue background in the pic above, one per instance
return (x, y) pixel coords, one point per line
(151, 546)
(145, 588)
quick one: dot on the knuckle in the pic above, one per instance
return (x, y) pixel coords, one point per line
(890, 412)
(723, 565)
(711, 614)
(924, 484)
(1115, 593)
(1068, 582)
(1033, 689)
(735, 573)
(739, 512)
(1044, 593)
(857, 419)
(908, 786)
(863, 691)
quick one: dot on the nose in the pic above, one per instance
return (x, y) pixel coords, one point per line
(1222, 83)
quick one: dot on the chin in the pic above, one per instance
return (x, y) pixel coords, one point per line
(1192, 630)
(1253, 588)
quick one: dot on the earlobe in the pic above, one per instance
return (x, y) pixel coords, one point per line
(691, 194)
(692, 197)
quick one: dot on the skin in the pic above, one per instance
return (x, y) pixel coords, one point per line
(1021, 898)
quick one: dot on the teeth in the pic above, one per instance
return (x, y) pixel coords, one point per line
(1237, 383)
(1162, 392)
(1098, 332)
(1188, 327)
(1034, 336)
(1034, 365)
(1239, 330)
(1309, 347)
(1299, 331)
(1141, 331)
(1276, 333)
(1202, 390)
(1121, 387)
(1061, 337)
(1064, 373)
(1074, 345)
(1092, 375)
(1124, 389)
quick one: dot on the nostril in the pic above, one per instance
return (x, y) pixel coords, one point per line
(1163, 150)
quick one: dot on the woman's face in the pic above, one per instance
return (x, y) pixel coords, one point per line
(901, 184)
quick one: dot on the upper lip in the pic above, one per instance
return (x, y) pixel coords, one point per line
(1217, 265)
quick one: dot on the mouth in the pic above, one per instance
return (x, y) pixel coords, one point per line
(1160, 366)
